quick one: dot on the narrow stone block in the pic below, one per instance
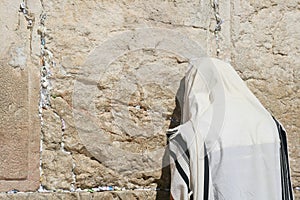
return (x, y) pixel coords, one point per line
(19, 130)
(20, 126)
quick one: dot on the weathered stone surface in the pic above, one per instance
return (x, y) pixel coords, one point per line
(19, 83)
(120, 195)
(69, 135)
(51, 131)
(71, 42)
(90, 173)
(133, 106)
(56, 170)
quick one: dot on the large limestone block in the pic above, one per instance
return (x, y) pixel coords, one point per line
(74, 29)
(134, 101)
(19, 92)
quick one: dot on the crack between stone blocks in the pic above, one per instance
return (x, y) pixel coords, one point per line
(176, 25)
(30, 18)
(218, 28)
(105, 189)
(42, 4)
(41, 188)
(46, 57)
(65, 151)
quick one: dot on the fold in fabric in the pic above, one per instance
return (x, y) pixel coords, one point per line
(228, 146)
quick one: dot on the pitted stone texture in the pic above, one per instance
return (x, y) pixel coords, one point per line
(266, 39)
(120, 195)
(90, 173)
(70, 138)
(19, 88)
(57, 170)
(79, 31)
(74, 30)
(14, 124)
(57, 162)
(134, 101)
(51, 131)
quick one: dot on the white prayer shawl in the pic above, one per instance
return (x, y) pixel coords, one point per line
(228, 146)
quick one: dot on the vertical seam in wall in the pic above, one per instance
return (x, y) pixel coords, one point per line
(219, 22)
(47, 62)
(46, 57)
(231, 29)
(41, 31)
(64, 150)
(30, 18)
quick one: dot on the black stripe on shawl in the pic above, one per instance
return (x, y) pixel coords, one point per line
(178, 138)
(180, 170)
(182, 146)
(182, 152)
(287, 192)
(192, 196)
(206, 176)
(169, 133)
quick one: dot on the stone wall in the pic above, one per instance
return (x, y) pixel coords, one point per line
(67, 60)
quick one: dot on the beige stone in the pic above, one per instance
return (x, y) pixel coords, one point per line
(133, 111)
(70, 43)
(120, 195)
(19, 121)
(56, 170)
(51, 131)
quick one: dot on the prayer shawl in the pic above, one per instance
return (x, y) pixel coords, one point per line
(228, 146)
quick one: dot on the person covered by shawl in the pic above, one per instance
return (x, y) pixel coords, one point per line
(228, 146)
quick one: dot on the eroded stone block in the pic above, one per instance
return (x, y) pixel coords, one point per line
(19, 130)
(19, 94)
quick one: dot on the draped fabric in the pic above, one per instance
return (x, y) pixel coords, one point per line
(228, 146)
